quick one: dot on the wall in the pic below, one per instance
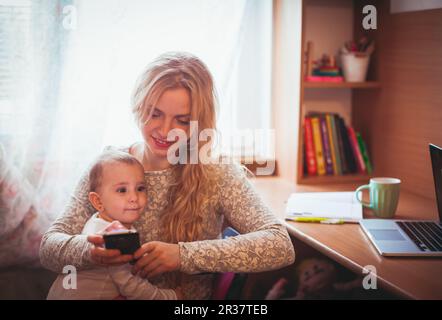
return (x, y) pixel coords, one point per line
(285, 84)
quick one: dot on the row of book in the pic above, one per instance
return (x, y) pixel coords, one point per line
(332, 148)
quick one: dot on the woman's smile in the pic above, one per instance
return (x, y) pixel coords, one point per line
(161, 143)
(171, 112)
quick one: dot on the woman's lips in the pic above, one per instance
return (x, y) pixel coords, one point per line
(162, 144)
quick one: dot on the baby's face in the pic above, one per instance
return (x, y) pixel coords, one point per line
(123, 192)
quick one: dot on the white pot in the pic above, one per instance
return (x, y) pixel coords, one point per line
(355, 67)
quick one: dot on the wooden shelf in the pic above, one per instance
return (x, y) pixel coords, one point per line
(316, 23)
(348, 85)
(334, 179)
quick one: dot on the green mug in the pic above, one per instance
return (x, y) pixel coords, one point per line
(384, 196)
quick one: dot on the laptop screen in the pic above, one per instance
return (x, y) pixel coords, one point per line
(436, 161)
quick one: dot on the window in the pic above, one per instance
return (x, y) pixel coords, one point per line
(15, 19)
(113, 42)
(68, 67)
(68, 86)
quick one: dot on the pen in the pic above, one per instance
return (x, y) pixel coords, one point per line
(315, 219)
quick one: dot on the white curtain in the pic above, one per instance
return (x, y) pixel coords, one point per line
(74, 65)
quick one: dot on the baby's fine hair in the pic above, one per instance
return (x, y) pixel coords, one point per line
(109, 157)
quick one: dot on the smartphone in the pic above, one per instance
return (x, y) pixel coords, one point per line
(127, 242)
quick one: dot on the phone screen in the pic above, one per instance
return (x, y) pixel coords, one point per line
(127, 242)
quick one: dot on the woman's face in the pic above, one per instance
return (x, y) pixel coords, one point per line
(172, 111)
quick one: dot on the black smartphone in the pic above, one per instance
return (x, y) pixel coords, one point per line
(127, 242)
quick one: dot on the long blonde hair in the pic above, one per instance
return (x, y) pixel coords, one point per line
(182, 220)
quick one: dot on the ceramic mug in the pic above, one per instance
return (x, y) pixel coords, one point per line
(384, 196)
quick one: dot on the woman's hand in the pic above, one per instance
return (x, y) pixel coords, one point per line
(155, 258)
(106, 257)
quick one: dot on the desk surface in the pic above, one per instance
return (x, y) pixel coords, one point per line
(415, 278)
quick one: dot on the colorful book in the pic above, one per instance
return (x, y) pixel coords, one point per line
(348, 152)
(355, 147)
(304, 164)
(326, 145)
(318, 146)
(344, 165)
(324, 79)
(364, 153)
(326, 71)
(310, 157)
(333, 144)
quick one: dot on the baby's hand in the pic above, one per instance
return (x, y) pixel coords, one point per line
(278, 290)
(106, 257)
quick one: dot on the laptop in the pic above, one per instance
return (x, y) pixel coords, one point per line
(410, 237)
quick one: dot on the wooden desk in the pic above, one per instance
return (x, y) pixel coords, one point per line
(414, 278)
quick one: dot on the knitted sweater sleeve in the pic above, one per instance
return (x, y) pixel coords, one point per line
(63, 244)
(263, 245)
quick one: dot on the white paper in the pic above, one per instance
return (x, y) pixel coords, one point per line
(336, 205)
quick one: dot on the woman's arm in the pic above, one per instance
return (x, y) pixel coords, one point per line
(263, 245)
(62, 244)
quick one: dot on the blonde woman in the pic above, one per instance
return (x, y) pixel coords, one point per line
(188, 203)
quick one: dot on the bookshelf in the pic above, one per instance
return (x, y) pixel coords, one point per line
(328, 179)
(318, 18)
(343, 85)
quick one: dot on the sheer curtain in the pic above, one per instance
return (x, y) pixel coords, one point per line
(114, 40)
(74, 65)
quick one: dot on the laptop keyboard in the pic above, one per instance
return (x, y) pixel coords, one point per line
(426, 235)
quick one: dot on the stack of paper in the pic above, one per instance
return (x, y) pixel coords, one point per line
(333, 205)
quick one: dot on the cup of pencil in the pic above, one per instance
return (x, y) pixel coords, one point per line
(355, 58)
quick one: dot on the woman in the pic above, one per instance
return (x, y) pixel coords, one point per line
(188, 203)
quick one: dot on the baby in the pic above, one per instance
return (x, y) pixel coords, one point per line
(118, 193)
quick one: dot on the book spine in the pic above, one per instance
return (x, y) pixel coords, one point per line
(309, 147)
(351, 161)
(326, 145)
(344, 165)
(304, 164)
(364, 153)
(324, 79)
(333, 144)
(318, 146)
(355, 147)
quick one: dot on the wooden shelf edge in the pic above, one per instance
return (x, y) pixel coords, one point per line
(348, 85)
(333, 179)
